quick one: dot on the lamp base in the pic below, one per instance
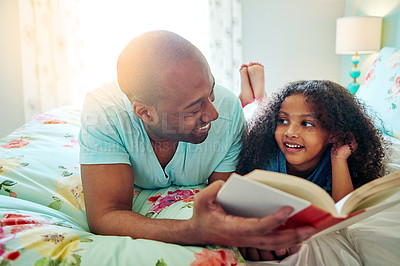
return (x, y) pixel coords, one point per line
(354, 74)
(353, 87)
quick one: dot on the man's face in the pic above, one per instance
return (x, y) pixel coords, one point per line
(186, 111)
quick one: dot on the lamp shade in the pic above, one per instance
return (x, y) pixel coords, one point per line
(358, 34)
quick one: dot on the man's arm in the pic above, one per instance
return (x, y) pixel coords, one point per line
(219, 176)
(108, 191)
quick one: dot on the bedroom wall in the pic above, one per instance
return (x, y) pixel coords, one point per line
(11, 103)
(390, 11)
(293, 39)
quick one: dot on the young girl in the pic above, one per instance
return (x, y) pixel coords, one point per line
(318, 131)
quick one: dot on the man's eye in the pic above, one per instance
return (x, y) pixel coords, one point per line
(195, 112)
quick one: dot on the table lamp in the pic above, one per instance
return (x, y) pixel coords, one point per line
(357, 35)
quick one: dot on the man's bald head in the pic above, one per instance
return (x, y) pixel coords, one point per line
(144, 63)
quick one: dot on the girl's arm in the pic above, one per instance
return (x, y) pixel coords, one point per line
(341, 179)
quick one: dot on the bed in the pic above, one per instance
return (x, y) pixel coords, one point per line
(42, 212)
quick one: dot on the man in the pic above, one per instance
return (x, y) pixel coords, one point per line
(167, 123)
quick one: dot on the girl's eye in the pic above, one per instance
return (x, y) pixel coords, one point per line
(282, 121)
(308, 124)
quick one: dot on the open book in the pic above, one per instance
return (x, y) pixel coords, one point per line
(261, 193)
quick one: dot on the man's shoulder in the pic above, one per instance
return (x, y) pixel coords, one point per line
(108, 105)
(226, 102)
(109, 94)
(107, 98)
(224, 93)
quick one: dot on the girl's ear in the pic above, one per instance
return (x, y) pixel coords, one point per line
(145, 112)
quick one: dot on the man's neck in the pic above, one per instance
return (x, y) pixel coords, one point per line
(155, 139)
(164, 149)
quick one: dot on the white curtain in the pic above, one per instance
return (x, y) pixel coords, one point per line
(51, 59)
(70, 46)
(225, 40)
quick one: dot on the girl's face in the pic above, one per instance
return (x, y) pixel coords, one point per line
(300, 136)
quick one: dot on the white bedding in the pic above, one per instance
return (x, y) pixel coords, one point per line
(393, 155)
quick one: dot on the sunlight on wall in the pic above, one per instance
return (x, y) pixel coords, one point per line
(107, 26)
(378, 8)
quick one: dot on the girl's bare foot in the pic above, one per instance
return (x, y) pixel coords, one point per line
(257, 79)
(246, 92)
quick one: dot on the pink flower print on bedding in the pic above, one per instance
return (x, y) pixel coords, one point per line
(161, 202)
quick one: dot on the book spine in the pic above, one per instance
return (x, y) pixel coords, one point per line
(315, 217)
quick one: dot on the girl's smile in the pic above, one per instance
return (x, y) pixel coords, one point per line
(292, 146)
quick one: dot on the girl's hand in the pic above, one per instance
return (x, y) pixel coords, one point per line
(343, 152)
(342, 183)
(254, 254)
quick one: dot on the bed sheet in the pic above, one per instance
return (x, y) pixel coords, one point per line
(393, 154)
(43, 221)
(32, 234)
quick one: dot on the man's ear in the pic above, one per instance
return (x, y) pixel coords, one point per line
(145, 112)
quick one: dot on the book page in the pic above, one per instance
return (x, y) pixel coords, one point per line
(339, 205)
(247, 198)
(372, 193)
(296, 186)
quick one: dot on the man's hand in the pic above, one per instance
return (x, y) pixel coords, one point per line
(212, 225)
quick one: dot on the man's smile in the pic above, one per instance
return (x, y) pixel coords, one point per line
(203, 129)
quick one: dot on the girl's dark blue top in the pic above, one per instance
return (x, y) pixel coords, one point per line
(321, 176)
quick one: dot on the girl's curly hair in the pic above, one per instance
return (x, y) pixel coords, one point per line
(338, 111)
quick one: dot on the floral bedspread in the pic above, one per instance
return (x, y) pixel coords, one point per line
(43, 221)
(42, 212)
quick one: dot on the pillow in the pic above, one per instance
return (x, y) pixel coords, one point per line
(380, 90)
